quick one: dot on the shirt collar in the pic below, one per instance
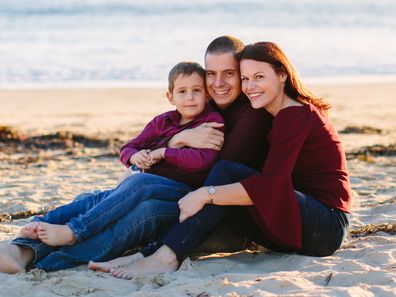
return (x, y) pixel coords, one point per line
(234, 105)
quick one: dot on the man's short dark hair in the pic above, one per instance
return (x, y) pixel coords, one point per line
(184, 68)
(225, 44)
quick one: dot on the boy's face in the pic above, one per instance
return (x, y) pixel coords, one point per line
(223, 80)
(188, 95)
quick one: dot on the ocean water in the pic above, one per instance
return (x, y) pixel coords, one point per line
(119, 41)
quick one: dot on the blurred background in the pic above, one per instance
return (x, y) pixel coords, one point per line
(102, 42)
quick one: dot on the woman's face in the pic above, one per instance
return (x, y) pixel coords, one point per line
(262, 85)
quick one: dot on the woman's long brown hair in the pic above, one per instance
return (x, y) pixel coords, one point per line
(272, 54)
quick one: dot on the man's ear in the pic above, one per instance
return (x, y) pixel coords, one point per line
(169, 95)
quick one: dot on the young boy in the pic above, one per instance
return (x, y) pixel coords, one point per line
(166, 173)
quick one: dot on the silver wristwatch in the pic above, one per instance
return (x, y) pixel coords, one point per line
(212, 192)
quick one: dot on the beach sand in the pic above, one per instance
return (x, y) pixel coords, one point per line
(61, 142)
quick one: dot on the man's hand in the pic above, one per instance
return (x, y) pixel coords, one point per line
(205, 136)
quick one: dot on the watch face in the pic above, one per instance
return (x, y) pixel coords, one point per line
(211, 190)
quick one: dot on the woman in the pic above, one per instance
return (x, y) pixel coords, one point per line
(301, 200)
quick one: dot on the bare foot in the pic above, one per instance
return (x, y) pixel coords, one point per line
(14, 258)
(163, 260)
(55, 235)
(29, 231)
(116, 263)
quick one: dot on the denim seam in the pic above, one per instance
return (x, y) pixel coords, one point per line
(80, 235)
(75, 230)
(35, 250)
(126, 233)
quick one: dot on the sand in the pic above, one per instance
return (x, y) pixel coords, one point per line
(33, 179)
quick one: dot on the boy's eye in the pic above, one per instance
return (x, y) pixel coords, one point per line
(209, 73)
(182, 91)
(197, 90)
(244, 78)
(259, 76)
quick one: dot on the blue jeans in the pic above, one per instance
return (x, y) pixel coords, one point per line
(88, 215)
(148, 220)
(323, 228)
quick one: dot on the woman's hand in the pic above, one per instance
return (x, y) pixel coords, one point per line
(192, 203)
(205, 136)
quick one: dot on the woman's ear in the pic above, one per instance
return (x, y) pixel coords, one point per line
(282, 77)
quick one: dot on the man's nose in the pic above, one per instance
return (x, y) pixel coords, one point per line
(219, 80)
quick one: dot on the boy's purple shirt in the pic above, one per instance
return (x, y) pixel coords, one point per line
(187, 165)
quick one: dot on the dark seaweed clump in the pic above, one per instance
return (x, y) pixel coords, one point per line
(374, 150)
(374, 228)
(361, 130)
(12, 141)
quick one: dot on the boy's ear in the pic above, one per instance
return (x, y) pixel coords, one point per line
(169, 95)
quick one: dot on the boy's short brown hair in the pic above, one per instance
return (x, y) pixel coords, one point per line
(184, 68)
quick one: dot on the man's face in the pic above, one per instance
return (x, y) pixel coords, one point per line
(223, 80)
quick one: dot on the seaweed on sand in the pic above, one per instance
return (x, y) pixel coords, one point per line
(389, 228)
(376, 150)
(14, 142)
(361, 130)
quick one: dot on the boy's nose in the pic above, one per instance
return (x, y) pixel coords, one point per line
(189, 96)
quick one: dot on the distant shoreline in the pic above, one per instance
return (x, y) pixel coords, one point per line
(156, 84)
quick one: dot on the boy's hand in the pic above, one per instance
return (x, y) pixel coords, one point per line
(141, 159)
(157, 155)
